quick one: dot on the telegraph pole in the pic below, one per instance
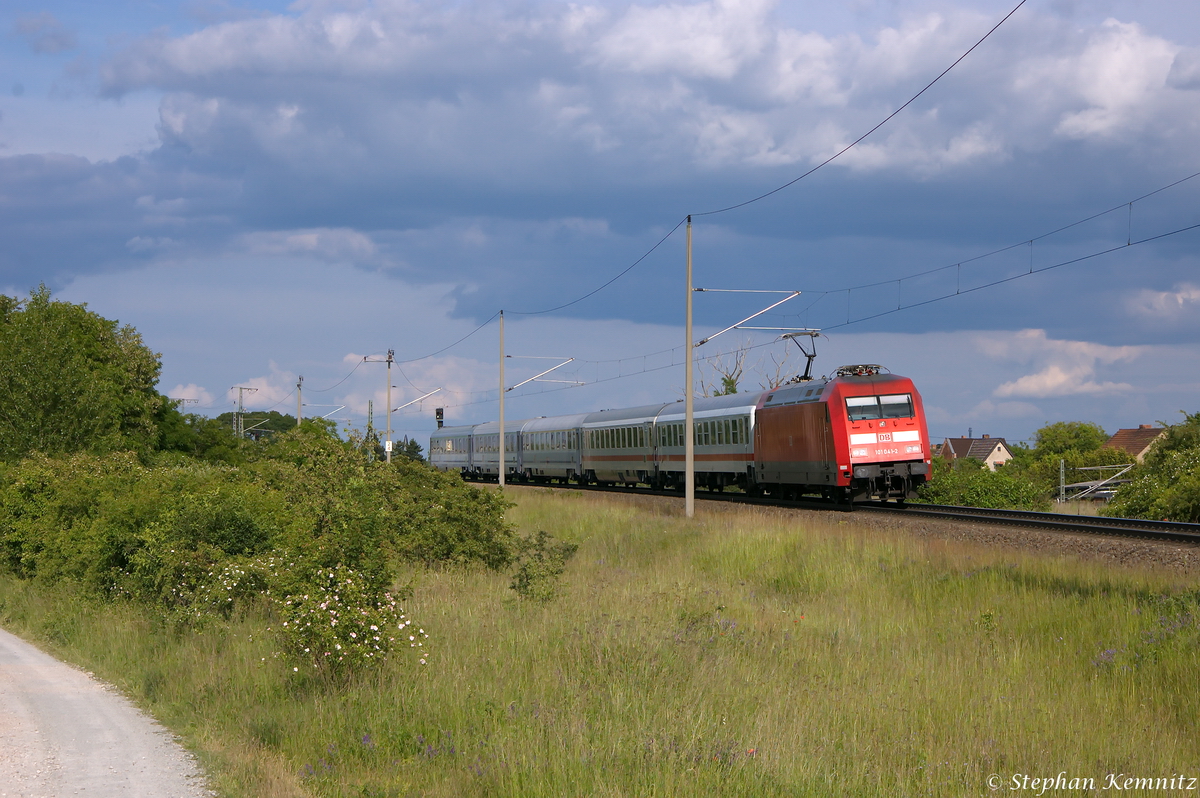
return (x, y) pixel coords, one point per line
(390, 357)
(299, 404)
(689, 440)
(502, 398)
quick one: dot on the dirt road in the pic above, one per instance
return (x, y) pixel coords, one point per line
(63, 733)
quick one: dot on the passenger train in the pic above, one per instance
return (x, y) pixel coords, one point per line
(858, 435)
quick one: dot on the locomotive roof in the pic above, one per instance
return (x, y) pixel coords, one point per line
(799, 391)
(793, 392)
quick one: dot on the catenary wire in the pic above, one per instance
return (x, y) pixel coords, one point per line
(597, 290)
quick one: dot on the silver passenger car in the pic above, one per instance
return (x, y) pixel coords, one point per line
(618, 445)
(724, 441)
(485, 449)
(550, 448)
(450, 449)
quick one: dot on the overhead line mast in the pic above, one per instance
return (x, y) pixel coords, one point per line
(689, 435)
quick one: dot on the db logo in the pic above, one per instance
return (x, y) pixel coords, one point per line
(885, 437)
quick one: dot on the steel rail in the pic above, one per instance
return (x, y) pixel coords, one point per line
(1095, 525)
(1125, 527)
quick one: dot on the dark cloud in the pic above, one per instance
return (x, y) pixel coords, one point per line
(528, 153)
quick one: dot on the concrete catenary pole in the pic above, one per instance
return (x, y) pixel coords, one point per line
(501, 461)
(299, 402)
(391, 355)
(689, 436)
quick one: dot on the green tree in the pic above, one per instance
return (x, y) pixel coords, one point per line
(71, 380)
(259, 423)
(1056, 439)
(409, 448)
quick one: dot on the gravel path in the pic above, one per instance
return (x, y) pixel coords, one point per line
(63, 733)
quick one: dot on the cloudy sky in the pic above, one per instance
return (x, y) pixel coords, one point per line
(267, 190)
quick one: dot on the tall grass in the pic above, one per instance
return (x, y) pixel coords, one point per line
(743, 653)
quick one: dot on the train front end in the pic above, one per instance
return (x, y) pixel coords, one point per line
(880, 439)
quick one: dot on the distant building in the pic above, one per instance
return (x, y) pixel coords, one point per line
(1135, 441)
(990, 451)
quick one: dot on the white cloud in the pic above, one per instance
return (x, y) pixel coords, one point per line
(1185, 70)
(1027, 346)
(720, 82)
(196, 394)
(705, 40)
(337, 244)
(267, 392)
(1055, 380)
(1166, 306)
(1067, 368)
(1119, 78)
(147, 243)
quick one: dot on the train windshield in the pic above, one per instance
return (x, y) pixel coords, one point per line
(867, 408)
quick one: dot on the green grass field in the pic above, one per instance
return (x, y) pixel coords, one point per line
(743, 653)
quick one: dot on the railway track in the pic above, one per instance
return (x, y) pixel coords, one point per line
(1116, 527)
(1123, 527)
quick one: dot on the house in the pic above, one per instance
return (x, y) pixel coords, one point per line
(1135, 441)
(990, 451)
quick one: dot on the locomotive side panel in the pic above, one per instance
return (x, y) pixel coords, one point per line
(794, 445)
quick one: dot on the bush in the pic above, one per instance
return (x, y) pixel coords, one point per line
(968, 483)
(199, 540)
(1167, 485)
(344, 621)
(540, 562)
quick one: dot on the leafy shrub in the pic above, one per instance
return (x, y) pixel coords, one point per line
(968, 483)
(1167, 489)
(540, 562)
(111, 522)
(1167, 485)
(200, 540)
(344, 622)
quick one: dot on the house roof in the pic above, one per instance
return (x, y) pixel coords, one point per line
(1134, 441)
(978, 448)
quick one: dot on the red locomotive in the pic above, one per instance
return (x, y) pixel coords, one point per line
(860, 435)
